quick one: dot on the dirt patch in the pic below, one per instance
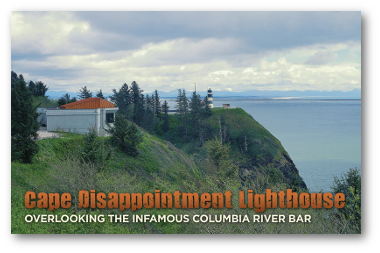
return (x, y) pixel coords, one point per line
(43, 134)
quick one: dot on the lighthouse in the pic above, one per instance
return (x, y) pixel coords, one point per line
(210, 103)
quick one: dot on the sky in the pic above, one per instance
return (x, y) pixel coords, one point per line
(165, 51)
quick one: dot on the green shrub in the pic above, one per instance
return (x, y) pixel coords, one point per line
(93, 148)
(125, 135)
(350, 185)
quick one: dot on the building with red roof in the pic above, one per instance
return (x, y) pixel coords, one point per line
(80, 116)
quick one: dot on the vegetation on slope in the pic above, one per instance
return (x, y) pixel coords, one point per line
(259, 148)
(58, 167)
(253, 147)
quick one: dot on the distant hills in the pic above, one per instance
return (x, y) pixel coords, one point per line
(356, 93)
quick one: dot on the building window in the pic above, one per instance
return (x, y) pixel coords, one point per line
(110, 117)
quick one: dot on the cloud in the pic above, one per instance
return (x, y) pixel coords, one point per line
(46, 33)
(260, 30)
(152, 69)
(170, 50)
(321, 57)
(180, 51)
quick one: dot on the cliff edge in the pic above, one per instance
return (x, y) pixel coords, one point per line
(253, 147)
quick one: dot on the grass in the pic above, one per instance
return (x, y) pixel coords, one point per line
(38, 178)
(239, 121)
(160, 165)
(58, 168)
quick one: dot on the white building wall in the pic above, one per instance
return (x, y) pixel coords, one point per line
(78, 120)
(42, 117)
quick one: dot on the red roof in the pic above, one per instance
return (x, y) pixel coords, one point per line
(89, 103)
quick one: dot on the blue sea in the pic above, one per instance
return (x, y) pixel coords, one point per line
(322, 136)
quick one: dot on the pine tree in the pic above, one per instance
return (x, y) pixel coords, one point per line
(157, 104)
(93, 148)
(178, 101)
(24, 124)
(182, 107)
(123, 101)
(32, 87)
(165, 110)
(14, 78)
(140, 111)
(40, 89)
(149, 119)
(84, 93)
(206, 109)
(125, 135)
(138, 103)
(65, 99)
(100, 94)
(199, 112)
(219, 155)
(135, 93)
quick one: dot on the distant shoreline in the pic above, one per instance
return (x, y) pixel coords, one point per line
(293, 98)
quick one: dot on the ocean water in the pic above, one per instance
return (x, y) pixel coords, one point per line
(322, 136)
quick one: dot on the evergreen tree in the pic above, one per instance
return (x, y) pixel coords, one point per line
(40, 89)
(350, 185)
(195, 105)
(219, 155)
(100, 94)
(93, 148)
(37, 89)
(139, 109)
(61, 101)
(224, 132)
(84, 93)
(125, 135)
(149, 120)
(14, 78)
(138, 103)
(178, 101)
(157, 104)
(165, 110)
(199, 111)
(207, 110)
(195, 116)
(31, 87)
(135, 93)
(123, 101)
(24, 124)
(65, 99)
(182, 107)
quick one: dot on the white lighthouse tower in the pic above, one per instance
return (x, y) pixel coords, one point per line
(210, 102)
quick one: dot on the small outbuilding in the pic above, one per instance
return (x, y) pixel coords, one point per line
(226, 105)
(80, 116)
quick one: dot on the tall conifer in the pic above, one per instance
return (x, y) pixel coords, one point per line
(24, 124)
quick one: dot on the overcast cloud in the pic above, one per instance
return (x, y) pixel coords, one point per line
(234, 51)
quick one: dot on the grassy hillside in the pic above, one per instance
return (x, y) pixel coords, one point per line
(58, 168)
(261, 141)
(253, 147)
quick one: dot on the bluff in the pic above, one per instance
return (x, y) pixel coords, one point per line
(253, 147)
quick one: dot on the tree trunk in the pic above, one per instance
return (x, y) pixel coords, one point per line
(245, 143)
(220, 132)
